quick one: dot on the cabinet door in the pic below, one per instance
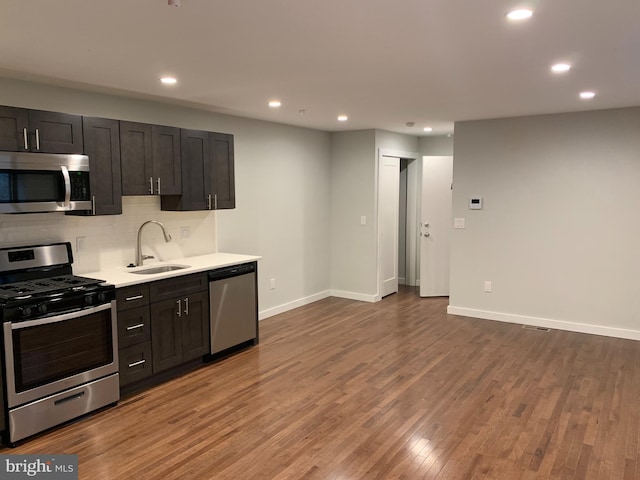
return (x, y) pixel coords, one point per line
(166, 159)
(221, 172)
(195, 326)
(102, 145)
(136, 158)
(53, 132)
(166, 334)
(195, 155)
(13, 129)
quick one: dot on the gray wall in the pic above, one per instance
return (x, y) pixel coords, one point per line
(436, 145)
(353, 190)
(282, 189)
(558, 235)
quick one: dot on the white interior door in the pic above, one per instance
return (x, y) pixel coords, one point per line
(388, 218)
(435, 227)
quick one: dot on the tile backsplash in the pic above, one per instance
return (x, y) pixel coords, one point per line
(110, 240)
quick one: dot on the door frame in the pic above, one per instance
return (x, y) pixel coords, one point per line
(383, 152)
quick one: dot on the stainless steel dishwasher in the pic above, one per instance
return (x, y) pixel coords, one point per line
(233, 301)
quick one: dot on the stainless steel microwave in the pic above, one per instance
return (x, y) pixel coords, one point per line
(38, 182)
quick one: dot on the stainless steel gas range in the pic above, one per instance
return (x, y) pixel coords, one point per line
(59, 339)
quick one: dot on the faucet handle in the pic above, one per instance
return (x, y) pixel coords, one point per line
(146, 257)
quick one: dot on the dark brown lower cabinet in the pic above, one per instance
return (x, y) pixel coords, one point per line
(179, 330)
(136, 363)
(134, 334)
(161, 325)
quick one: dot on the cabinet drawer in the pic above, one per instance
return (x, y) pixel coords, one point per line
(132, 297)
(135, 363)
(133, 326)
(178, 286)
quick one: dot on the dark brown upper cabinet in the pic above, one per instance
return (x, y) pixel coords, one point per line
(40, 131)
(150, 159)
(207, 172)
(222, 175)
(13, 129)
(102, 145)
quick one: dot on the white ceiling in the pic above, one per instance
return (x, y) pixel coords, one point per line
(382, 62)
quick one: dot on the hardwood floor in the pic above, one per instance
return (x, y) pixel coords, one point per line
(394, 390)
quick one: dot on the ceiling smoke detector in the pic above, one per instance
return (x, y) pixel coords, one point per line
(174, 3)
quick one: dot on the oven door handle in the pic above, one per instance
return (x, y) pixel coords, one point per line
(60, 318)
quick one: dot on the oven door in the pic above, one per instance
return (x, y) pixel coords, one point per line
(48, 355)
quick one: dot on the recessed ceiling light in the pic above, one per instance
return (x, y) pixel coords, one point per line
(169, 80)
(275, 103)
(342, 118)
(587, 95)
(174, 3)
(560, 67)
(520, 14)
(428, 129)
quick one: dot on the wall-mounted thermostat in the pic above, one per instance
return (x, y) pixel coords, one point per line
(475, 203)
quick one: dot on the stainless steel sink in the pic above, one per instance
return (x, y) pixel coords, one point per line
(158, 269)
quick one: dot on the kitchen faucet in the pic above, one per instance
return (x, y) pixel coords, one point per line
(139, 256)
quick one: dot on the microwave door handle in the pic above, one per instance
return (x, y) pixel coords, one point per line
(67, 186)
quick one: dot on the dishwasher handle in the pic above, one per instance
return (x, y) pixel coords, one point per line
(232, 271)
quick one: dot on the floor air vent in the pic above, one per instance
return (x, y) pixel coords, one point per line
(539, 329)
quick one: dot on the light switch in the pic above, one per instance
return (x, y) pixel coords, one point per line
(458, 223)
(363, 220)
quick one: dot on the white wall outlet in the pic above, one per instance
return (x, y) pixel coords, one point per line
(272, 284)
(81, 244)
(185, 232)
(363, 220)
(488, 287)
(458, 223)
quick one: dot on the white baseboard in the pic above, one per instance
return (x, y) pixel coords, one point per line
(355, 296)
(546, 323)
(285, 307)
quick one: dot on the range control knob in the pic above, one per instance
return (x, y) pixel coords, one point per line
(88, 299)
(26, 311)
(101, 297)
(42, 308)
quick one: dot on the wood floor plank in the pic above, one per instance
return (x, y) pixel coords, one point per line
(398, 389)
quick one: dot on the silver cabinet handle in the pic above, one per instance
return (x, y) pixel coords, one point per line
(137, 297)
(151, 185)
(93, 205)
(26, 138)
(158, 188)
(37, 139)
(135, 364)
(179, 302)
(133, 327)
(67, 185)
(209, 202)
(186, 305)
(215, 201)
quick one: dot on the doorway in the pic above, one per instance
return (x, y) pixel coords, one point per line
(414, 222)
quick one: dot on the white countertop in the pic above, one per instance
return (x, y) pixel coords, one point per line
(123, 276)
